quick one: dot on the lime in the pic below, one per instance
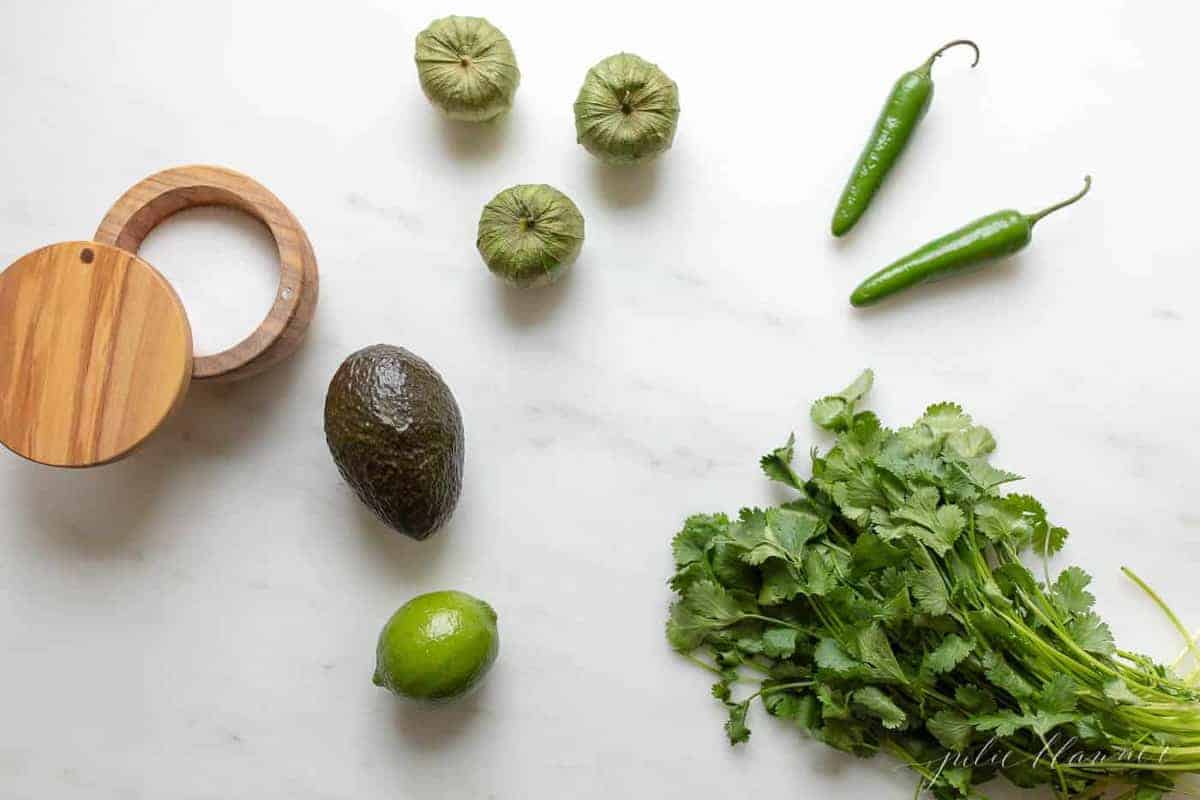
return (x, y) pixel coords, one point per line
(437, 646)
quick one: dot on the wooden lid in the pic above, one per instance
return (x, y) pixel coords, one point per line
(95, 353)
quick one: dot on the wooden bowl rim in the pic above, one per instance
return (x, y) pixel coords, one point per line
(155, 198)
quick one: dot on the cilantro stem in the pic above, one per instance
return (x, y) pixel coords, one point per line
(826, 620)
(754, 665)
(1187, 637)
(1188, 649)
(779, 687)
(1036, 642)
(699, 662)
(1066, 639)
(783, 623)
(1062, 779)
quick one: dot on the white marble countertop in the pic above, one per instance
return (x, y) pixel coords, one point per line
(199, 621)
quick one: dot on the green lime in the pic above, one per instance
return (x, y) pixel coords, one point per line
(438, 646)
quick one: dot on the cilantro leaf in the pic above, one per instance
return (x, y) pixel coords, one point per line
(830, 413)
(778, 465)
(947, 655)
(686, 576)
(786, 705)
(1049, 540)
(834, 704)
(727, 566)
(917, 438)
(952, 730)
(864, 439)
(834, 412)
(982, 474)
(929, 590)
(936, 527)
(896, 610)
(1070, 591)
(875, 651)
(777, 532)
(1059, 695)
(870, 554)
(859, 492)
(792, 529)
(692, 543)
(858, 389)
(709, 601)
(973, 442)
(875, 702)
(1002, 723)
(1003, 676)
(735, 726)
(945, 418)
(779, 583)
(1012, 519)
(818, 573)
(704, 608)
(829, 655)
(684, 631)
(779, 642)
(960, 779)
(1119, 692)
(1092, 634)
(1006, 723)
(972, 698)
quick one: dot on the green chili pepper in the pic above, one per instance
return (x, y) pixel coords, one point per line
(961, 251)
(905, 107)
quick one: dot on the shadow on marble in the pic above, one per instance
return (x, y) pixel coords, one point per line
(622, 186)
(402, 559)
(109, 511)
(428, 726)
(95, 514)
(478, 141)
(526, 307)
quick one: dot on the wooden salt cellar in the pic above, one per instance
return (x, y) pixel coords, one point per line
(95, 345)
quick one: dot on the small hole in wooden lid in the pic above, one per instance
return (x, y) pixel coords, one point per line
(87, 256)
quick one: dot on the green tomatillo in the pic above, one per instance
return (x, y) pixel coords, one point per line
(467, 68)
(529, 235)
(627, 110)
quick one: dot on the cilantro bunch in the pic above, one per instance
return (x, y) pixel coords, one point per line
(887, 608)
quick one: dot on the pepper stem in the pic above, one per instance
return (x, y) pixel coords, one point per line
(1087, 185)
(937, 53)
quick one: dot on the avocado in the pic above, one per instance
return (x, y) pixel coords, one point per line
(396, 435)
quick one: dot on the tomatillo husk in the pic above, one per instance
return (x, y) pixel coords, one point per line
(467, 68)
(530, 234)
(627, 110)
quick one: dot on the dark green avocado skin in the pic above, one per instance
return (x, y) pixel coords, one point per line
(396, 435)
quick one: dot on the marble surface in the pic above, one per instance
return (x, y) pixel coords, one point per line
(199, 621)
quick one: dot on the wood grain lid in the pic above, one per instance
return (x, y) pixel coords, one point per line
(95, 354)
